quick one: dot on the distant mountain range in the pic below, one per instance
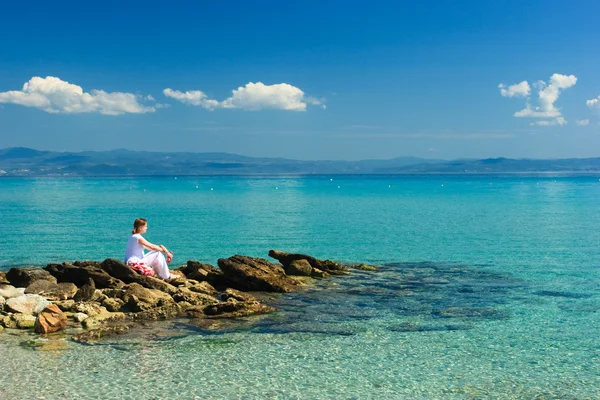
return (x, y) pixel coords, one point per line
(21, 161)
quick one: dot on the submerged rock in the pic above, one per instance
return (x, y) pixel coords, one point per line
(27, 304)
(51, 319)
(100, 333)
(23, 277)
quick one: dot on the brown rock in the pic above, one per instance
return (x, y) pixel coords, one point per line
(193, 298)
(65, 305)
(299, 267)
(202, 287)
(86, 292)
(168, 311)
(139, 298)
(329, 266)
(203, 272)
(121, 271)
(3, 279)
(80, 273)
(23, 277)
(236, 295)
(247, 273)
(317, 273)
(234, 309)
(113, 305)
(51, 319)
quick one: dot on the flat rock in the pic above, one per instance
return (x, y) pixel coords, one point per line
(104, 318)
(248, 273)
(27, 304)
(234, 309)
(9, 291)
(100, 333)
(23, 277)
(51, 319)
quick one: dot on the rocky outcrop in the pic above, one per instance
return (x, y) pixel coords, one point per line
(331, 267)
(256, 274)
(51, 319)
(23, 277)
(108, 297)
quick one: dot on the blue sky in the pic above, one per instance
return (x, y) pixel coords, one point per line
(312, 80)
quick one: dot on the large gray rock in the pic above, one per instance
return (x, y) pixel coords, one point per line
(23, 277)
(9, 291)
(248, 273)
(27, 304)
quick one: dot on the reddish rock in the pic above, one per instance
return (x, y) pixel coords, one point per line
(51, 319)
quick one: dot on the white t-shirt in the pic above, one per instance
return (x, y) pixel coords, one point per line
(134, 249)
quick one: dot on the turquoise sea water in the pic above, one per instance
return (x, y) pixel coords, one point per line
(489, 287)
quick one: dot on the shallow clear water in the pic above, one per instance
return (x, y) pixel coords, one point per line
(489, 287)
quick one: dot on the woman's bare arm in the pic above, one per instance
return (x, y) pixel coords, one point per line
(149, 245)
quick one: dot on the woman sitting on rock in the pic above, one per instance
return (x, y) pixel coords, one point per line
(149, 263)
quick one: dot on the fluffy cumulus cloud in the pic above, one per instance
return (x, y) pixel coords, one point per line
(547, 95)
(54, 95)
(517, 90)
(593, 103)
(253, 96)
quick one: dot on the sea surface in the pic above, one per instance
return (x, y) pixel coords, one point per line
(488, 287)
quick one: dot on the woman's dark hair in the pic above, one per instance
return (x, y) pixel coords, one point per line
(137, 224)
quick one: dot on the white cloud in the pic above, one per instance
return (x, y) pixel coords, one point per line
(548, 94)
(556, 121)
(54, 95)
(517, 90)
(582, 122)
(253, 96)
(593, 102)
(193, 98)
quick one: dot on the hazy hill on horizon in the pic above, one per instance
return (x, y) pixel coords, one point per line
(22, 161)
